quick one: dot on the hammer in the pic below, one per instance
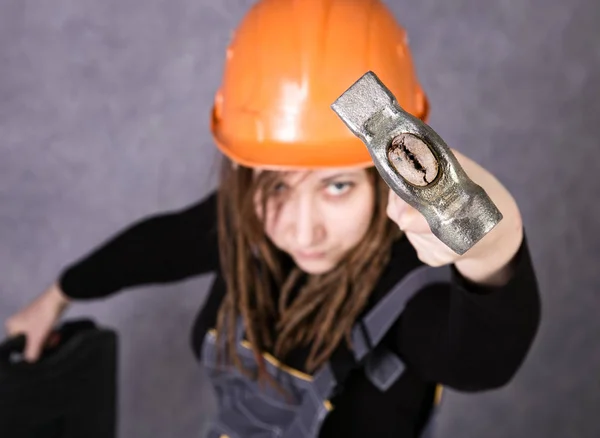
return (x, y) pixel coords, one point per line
(417, 164)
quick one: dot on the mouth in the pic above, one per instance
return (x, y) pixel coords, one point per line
(310, 255)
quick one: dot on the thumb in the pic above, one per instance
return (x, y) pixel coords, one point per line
(411, 221)
(33, 346)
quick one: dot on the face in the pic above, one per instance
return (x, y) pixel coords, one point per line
(318, 216)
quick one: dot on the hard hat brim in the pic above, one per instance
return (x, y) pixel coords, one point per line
(295, 156)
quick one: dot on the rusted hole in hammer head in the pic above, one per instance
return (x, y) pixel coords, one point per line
(413, 159)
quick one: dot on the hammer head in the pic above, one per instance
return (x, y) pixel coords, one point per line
(366, 98)
(417, 164)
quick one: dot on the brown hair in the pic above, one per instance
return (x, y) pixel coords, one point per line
(326, 306)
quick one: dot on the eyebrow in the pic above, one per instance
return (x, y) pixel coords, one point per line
(337, 175)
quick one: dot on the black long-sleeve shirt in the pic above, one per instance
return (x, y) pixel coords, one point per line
(463, 336)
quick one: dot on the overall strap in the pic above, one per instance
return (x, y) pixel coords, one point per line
(369, 332)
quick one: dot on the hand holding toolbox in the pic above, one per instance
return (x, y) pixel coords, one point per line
(70, 392)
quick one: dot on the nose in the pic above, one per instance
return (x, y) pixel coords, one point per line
(305, 222)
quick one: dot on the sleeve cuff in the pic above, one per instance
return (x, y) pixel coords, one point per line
(521, 269)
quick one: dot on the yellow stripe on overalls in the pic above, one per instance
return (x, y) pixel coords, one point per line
(439, 389)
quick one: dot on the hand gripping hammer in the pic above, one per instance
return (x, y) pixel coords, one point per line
(417, 164)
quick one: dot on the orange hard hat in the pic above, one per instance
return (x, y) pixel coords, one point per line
(288, 62)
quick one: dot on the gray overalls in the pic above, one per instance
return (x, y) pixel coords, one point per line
(245, 410)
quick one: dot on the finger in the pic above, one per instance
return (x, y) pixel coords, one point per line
(430, 250)
(395, 206)
(32, 349)
(405, 216)
(421, 246)
(425, 243)
(411, 221)
(415, 240)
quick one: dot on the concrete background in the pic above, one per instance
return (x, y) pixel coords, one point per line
(104, 119)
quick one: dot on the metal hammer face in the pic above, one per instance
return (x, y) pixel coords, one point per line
(417, 164)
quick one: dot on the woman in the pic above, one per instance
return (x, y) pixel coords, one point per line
(323, 319)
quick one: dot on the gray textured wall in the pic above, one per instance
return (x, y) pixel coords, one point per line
(103, 119)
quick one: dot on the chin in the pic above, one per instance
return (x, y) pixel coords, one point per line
(315, 267)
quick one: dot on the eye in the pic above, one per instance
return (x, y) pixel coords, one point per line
(279, 188)
(339, 188)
